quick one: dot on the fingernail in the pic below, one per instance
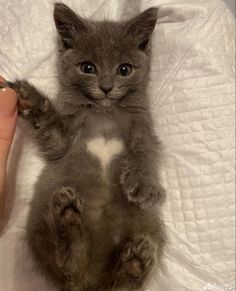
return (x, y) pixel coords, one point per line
(8, 101)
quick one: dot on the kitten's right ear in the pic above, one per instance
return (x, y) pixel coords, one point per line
(68, 24)
(141, 27)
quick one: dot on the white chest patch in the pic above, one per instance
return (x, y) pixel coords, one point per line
(105, 150)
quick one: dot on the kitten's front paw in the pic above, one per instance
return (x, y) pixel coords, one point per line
(66, 207)
(139, 190)
(30, 101)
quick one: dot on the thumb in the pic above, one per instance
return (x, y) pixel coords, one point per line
(8, 116)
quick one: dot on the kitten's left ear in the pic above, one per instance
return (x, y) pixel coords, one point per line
(141, 27)
(68, 24)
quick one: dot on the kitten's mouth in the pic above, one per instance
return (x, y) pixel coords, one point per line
(105, 98)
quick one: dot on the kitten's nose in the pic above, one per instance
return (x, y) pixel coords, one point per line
(106, 88)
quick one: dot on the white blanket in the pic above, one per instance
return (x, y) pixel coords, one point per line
(192, 89)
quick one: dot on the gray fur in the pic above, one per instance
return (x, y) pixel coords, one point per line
(85, 231)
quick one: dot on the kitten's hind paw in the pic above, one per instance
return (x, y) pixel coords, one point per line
(136, 261)
(66, 207)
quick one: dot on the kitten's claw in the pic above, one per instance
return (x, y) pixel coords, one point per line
(4, 84)
(66, 207)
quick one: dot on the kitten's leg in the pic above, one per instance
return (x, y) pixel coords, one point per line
(64, 221)
(140, 177)
(134, 265)
(49, 128)
(57, 238)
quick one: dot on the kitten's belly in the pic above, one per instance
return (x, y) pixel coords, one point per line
(105, 150)
(98, 148)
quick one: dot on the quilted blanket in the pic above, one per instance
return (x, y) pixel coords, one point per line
(192, 90)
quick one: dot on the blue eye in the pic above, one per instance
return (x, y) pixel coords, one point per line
(124, 70)
(88, 68)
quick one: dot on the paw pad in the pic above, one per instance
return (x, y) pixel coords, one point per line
(137, 258)
(67, 206)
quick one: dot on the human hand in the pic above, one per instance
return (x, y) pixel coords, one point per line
(8, 116)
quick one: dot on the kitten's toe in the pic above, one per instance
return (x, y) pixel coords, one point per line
(148, 195)
(135, 263)
(67, 207)
(130, 184)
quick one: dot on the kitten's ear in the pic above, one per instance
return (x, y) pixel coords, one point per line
(141, 27)
(68, 24)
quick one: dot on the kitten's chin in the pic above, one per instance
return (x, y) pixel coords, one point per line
(106, 102)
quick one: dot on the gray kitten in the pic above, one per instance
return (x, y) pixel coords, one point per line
(92, 224)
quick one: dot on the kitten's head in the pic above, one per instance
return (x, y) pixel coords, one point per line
(104, 62)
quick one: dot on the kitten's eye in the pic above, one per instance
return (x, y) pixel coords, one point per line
(124, 70)
(88, 68)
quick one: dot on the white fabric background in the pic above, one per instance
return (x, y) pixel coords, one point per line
(192, 88)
